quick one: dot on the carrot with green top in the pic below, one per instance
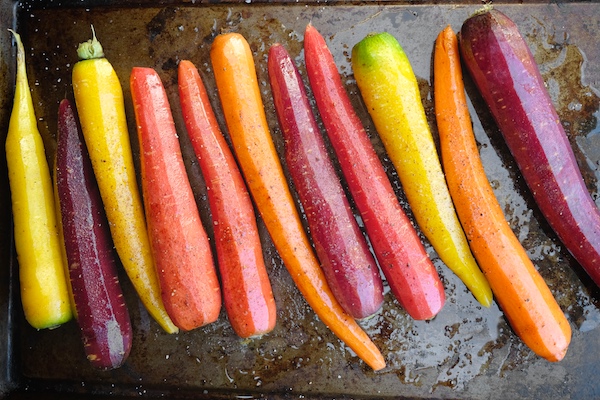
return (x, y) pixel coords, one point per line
(247, 292)
(391, 93)
(101, 110)
(44, 290)
(239, 92)
(188, 279)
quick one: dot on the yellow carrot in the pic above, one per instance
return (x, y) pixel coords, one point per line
(391, 93)
(44, 291)
(99, 100)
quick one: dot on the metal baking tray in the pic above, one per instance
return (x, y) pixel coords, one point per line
(465, 352)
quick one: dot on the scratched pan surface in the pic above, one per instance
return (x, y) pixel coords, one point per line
(465, 352)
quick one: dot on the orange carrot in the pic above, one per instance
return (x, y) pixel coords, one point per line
(237, 83)
(247, 292)
(189, 285)
(519, 289)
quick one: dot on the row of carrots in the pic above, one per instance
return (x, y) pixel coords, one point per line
(158, 234)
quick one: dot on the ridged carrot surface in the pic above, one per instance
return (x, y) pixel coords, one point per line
(188, 280)
(349, 266)
(247, 291)
(411, 275)
(102, 314)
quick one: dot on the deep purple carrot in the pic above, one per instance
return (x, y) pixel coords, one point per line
(509, 80)
(101, 310)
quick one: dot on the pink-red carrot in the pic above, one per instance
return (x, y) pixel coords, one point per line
(247, 292)
(188, 280)
(102, 313)
(402, 257)
(351, 270)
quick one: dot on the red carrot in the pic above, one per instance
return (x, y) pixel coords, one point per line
(350, 268)
(410, 273)
(189, 284)
(246, 287)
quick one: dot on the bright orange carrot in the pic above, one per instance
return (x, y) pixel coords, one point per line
(247, 292)
(189, 285)
(237, 83)
(519, 289)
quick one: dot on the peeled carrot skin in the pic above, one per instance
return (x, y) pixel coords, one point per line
(247, 292)
(532, 130)
(238, 88)
(189, 284)
(350, 268)
(396, 243)
(519, 289)
(102, 313)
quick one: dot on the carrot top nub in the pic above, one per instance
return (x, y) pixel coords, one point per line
(90, 49)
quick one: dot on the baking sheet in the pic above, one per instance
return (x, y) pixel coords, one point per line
(465, 352)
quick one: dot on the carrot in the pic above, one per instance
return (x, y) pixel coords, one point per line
(389, 88)
(189, 285)
(349, 267)
(247, 291)
(101, 110)
(245, 117)
(395, 241)
(510, 82)
(102, 313)
(519, 288)
(43, 284)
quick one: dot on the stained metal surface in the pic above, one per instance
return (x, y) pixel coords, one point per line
(465, 352)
